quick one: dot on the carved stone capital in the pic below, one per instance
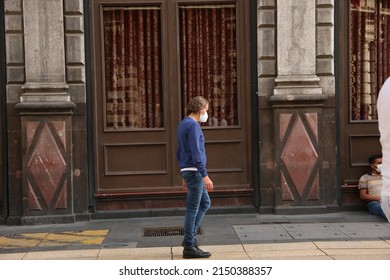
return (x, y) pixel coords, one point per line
(39, 98)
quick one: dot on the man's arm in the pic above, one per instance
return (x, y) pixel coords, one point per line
(368, 197)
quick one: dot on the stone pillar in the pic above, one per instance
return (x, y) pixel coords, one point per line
(296, 48)
(46, 111)
(297, 103)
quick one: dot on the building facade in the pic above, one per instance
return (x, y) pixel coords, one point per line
(93, 90)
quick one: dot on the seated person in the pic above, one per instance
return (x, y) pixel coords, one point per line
(370, 186)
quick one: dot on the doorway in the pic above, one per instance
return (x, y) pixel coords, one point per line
(149, 60)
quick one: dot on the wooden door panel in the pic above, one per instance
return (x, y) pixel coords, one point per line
(357, 90)
(135, 159)
(226, 163)
(361, 147)
(133, 150)
(360, 141)
(227, 135)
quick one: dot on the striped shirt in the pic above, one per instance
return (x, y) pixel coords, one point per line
(373, 184)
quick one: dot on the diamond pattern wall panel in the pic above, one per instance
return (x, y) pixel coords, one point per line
(46, 165)
(299, 175)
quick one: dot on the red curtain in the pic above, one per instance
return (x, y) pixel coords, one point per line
(132, 57)
(370, 47)
(208, 60)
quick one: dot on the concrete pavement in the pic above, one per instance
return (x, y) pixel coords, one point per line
(250, 236)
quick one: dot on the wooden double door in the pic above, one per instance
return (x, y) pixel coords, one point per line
(149, 60)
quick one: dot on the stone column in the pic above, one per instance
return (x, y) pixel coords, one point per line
(297, 103)
(45, 108)
(296, 48)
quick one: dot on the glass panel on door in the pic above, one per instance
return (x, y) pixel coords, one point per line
(369, 55)
(208, 55)
(132, 62)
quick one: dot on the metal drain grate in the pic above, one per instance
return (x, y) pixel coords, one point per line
(165, 231)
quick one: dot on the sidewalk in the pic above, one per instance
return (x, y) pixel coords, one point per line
(335, 236)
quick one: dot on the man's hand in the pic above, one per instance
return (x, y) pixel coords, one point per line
(183, 184)
(208, 183)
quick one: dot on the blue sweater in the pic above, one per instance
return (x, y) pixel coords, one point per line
(191, 151)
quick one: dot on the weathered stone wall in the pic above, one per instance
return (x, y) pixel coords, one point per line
(296, 93)
(15, 67)
(45, 65)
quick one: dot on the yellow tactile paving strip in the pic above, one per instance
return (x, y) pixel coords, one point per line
(48, 239)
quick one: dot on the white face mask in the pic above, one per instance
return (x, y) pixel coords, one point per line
(379, 168)
(203, 117)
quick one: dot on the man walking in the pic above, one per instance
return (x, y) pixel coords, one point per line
(191, 155)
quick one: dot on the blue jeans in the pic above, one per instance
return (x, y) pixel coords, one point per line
(374, 207)
(198, 202)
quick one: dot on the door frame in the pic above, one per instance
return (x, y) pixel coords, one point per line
(89, 105)
(251, 117)
(341, 82)
(254, 103)
(3, 121)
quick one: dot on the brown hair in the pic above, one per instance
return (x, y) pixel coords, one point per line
(372, 158)
(197, 104)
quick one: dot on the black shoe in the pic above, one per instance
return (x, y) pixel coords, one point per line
(193, 252)
(207, 253)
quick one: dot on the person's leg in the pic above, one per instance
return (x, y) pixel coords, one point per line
(375, 208)
(194, 195)
(195, 189)
(203, 207)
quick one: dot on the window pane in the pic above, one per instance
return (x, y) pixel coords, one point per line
(208, 57)
(369, 52)
(132, 63)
